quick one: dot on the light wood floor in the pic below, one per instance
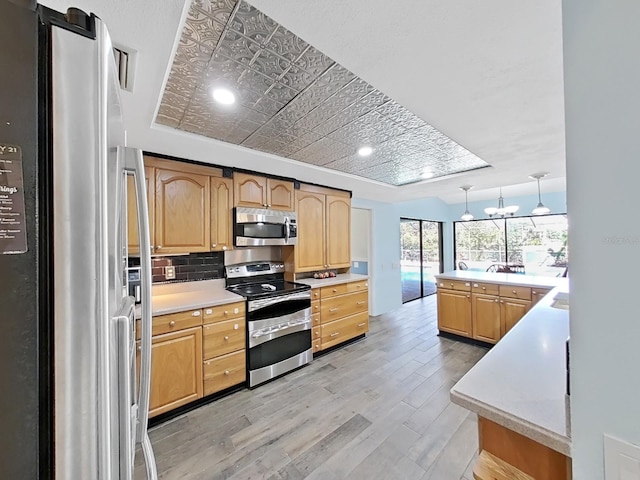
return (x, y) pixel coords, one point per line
(376, 409)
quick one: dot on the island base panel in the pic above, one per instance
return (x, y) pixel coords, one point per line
(529, 456)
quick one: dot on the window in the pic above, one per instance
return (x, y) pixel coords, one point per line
(535, 245)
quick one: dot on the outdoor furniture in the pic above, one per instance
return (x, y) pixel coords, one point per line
(462, 266)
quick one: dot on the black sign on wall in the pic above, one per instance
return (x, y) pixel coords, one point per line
(13, 233)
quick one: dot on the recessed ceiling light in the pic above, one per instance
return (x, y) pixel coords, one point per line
(365, 151)
(223, 96)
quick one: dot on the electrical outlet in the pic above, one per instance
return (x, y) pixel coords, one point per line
(169, 272)
(356, 264)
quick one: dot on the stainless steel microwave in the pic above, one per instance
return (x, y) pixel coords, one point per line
(255, 227)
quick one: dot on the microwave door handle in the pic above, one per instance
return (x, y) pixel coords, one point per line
(286, 230)
(134, 163)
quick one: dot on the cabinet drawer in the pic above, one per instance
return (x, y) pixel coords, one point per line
(315, 319)
(343, 306)
(315, 294)
(509, 291)
(223, 337)
(315, 307)
(173, 322)
(333, 290)
(486, 288)
(357, 286)
(316, 334)
(224, 372)
(223, 312)
(455, 285)
(341, 330)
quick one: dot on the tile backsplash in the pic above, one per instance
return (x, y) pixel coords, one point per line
(192, 267)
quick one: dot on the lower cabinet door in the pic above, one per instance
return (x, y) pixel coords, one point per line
(339, 331)
(454, 312)
(224, 372)
(176, 370)
(512, 311)
(486, 317)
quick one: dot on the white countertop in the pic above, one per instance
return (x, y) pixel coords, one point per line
(521, 382)
(506, 278)
(340, 278)
(178, 297)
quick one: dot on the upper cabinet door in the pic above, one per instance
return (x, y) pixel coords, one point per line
(249, 190)
(221, 208)
(132, 211)
(280, 194)
(309, 252)
(182, 212)
(338, 231)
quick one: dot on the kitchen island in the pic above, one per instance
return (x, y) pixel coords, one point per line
(518, 389)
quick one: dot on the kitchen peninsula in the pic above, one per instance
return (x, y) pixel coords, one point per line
(518, 389)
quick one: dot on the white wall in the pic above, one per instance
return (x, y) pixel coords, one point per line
(602, 101)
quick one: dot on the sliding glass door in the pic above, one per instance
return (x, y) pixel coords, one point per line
(420, 257)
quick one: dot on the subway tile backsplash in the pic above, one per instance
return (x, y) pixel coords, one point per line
(192, 267)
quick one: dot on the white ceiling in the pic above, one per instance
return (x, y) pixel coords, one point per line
(486, 74)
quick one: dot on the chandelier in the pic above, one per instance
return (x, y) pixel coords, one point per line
(502, 211)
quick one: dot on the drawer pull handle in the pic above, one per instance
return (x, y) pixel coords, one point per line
(496, 300)
(366, 284)
(484, 288)
(226, 372)
(317, 334)
(172, 323)
(334, 290)
(226, 312)
(207, 363)
(334, 334)
(362, 324)
(334, 309)
(196, 313)
(534, 292)
(214, 245)
(513, 291)
(208, 311)
(226, 337)
(139, 348)
(360, 303)
(236, 326)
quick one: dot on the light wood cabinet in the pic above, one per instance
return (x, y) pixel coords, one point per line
(182, 218)
(486, 317)
(454, 312)
(224, 342)
(537, 294)
(324, 229)
(221, 213)
(260, 192)
(511, 311)
(190, 208)
(338, 231)
(133, 241)
(176, 370)
(340, 312)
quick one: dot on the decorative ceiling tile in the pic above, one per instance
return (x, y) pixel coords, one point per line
(202, 27)
(286, 44)
(294, 101)
(314, 61)
(238, 48)
(252, 23)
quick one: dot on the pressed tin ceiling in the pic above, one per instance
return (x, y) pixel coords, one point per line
(294, 101)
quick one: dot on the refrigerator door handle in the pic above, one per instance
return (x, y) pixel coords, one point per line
(133, 163)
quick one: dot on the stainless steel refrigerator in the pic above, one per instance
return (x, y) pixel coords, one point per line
(73, 403)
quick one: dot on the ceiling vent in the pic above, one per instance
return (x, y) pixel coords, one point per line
(125, 62)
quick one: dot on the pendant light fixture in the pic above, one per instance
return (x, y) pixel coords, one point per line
(501, 210)
(466, 216)
(540, 209)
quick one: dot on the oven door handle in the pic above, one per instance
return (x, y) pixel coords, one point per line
(261, 336)
(286, 230)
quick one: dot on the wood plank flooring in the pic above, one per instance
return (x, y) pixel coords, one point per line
(376, 409)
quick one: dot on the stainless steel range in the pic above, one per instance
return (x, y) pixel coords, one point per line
(278, 318)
